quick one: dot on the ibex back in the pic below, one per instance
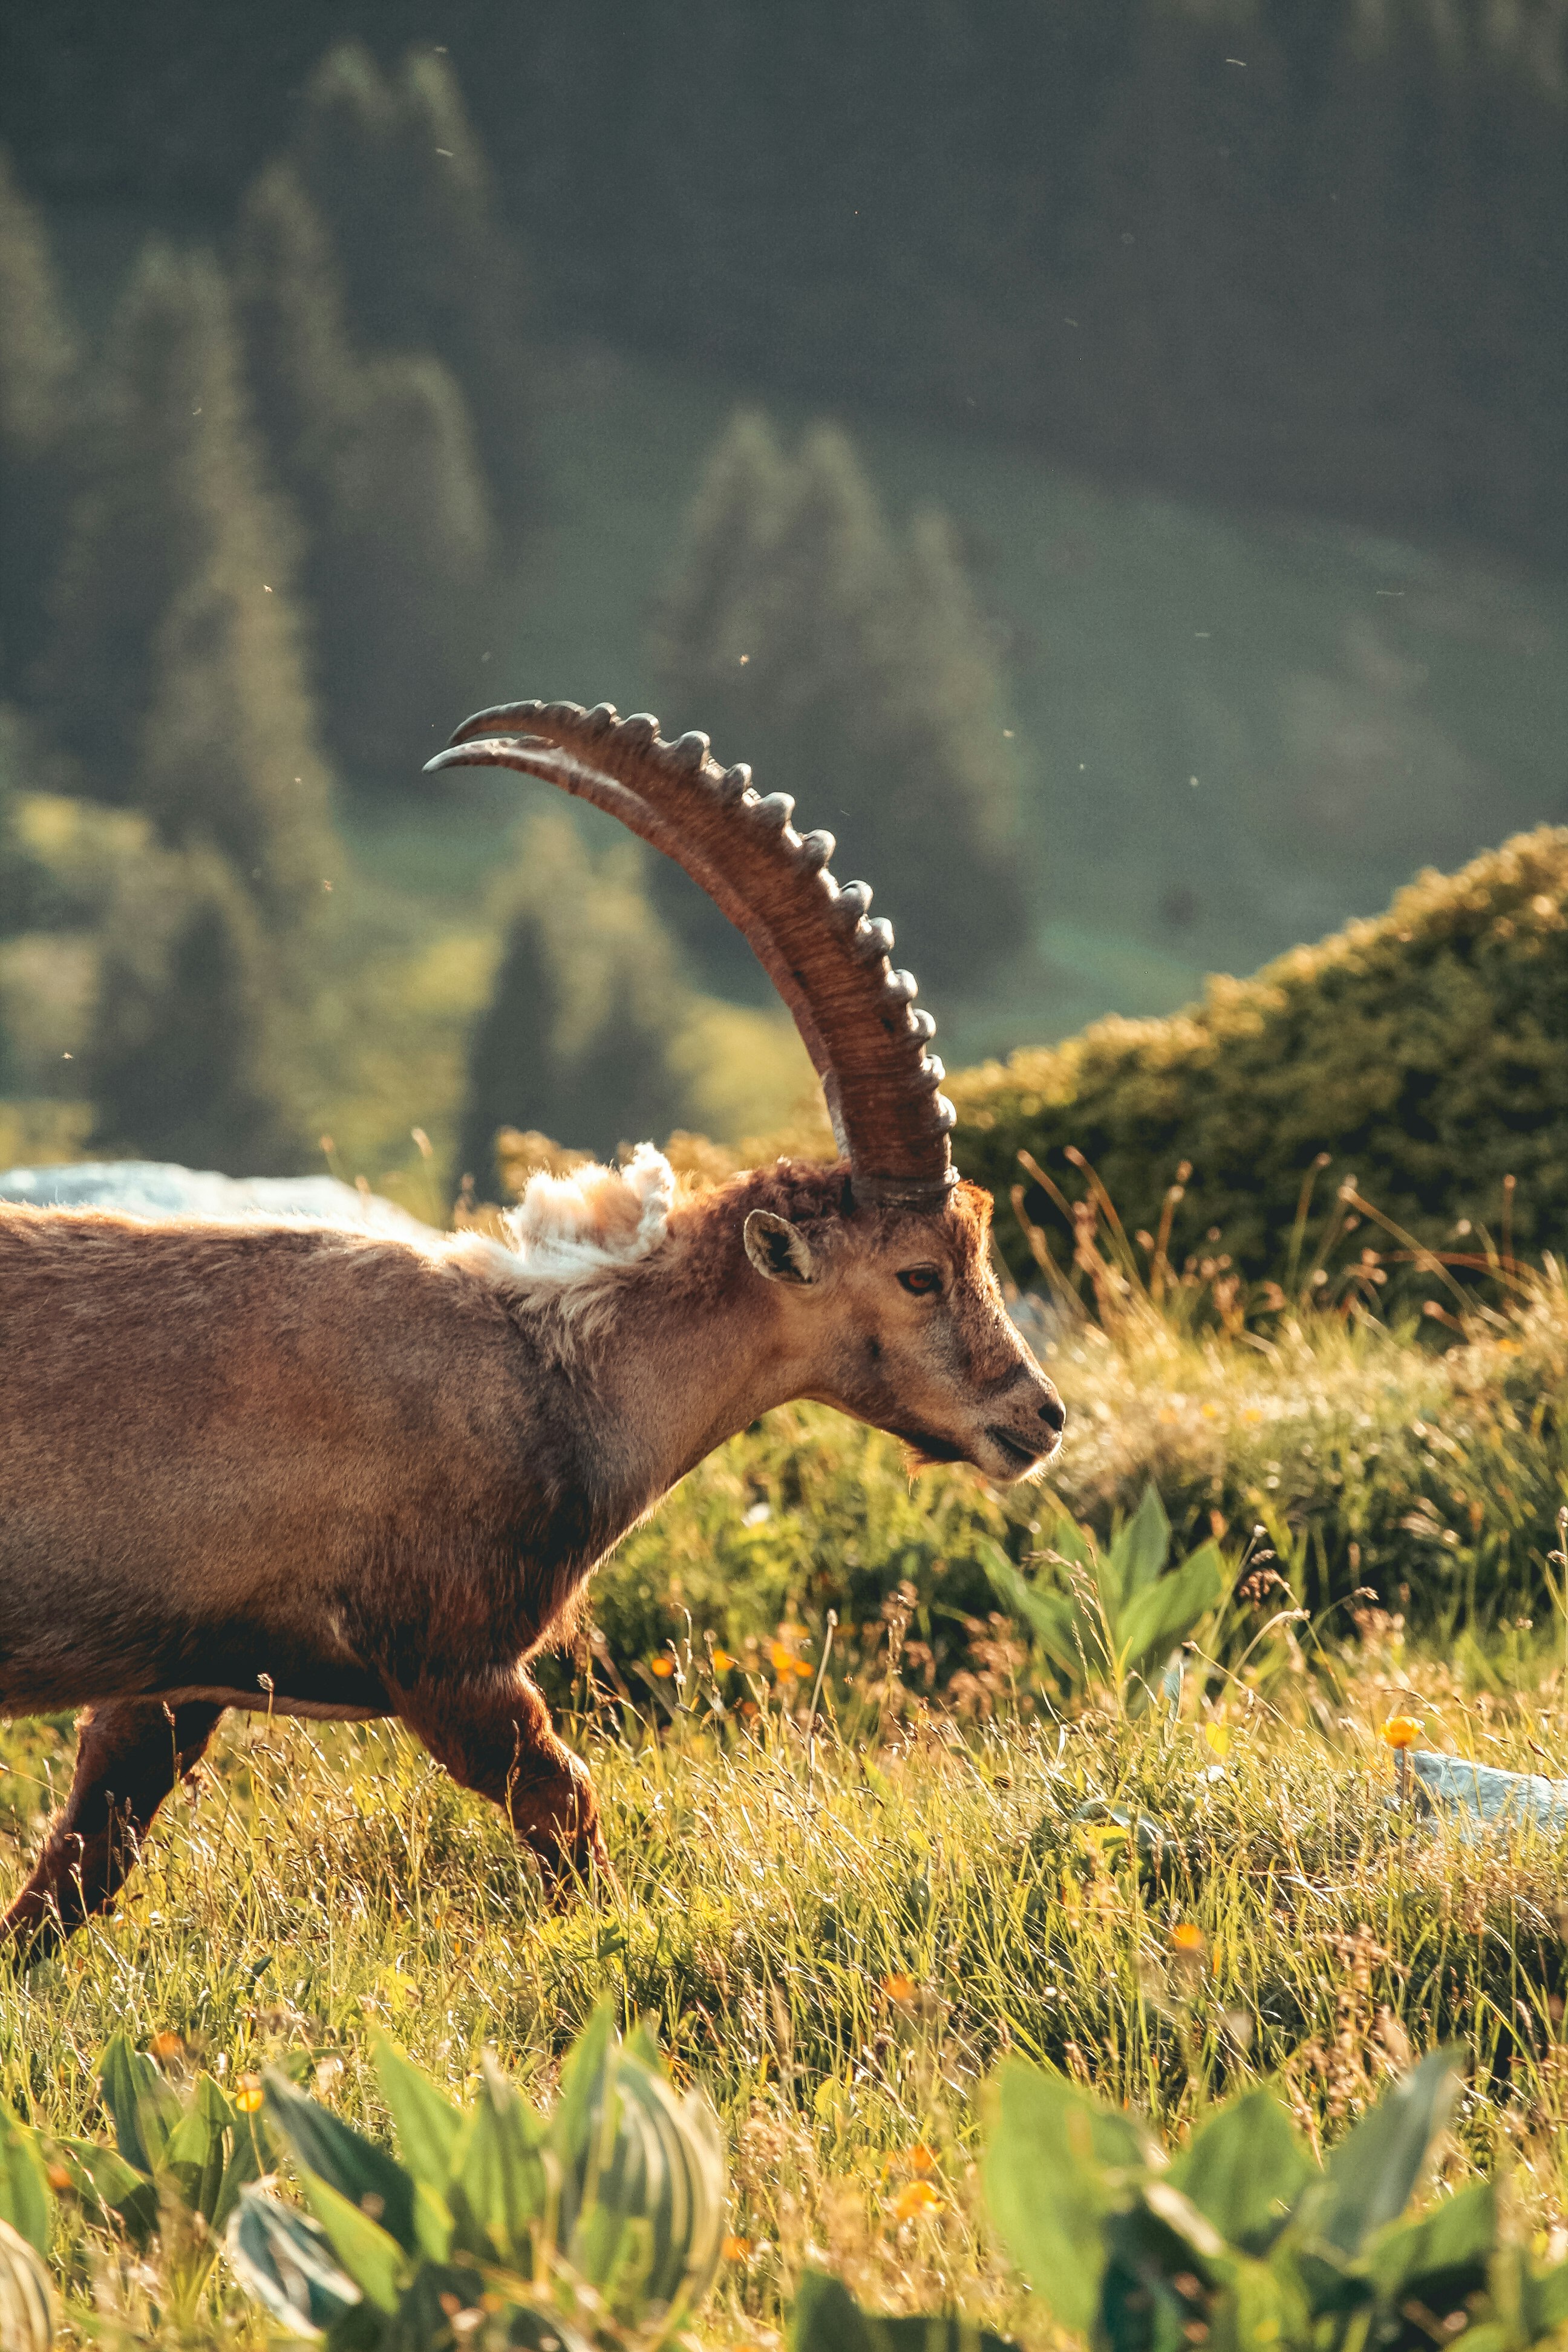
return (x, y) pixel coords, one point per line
(343, 1477)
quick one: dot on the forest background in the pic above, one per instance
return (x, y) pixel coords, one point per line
(1107, 460)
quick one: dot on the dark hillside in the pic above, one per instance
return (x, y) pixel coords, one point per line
(1307, 258)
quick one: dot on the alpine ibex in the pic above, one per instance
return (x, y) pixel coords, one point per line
(339, 1475)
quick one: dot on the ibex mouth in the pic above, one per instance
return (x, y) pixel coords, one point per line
(930, 1447)
(1014, 1448)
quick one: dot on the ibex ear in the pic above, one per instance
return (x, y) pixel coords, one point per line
(778, 1251)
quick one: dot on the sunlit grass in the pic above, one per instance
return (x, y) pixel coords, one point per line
(837, 1941)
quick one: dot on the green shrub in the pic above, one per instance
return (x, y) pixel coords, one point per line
(1111, 1617)
(600, 2226)
(1426, 1052)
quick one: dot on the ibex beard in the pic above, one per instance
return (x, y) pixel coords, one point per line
(336, 1475)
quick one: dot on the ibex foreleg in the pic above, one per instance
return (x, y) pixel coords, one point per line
(129, 1756)
(494, 1736)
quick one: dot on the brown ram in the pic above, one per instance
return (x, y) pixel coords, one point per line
(339, 1475)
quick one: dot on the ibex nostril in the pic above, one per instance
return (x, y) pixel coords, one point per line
(1053, 1413)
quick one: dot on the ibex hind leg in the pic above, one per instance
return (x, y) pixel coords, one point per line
(129, 1756)
(495, 1737)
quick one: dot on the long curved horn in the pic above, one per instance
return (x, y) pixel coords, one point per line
(826, 957)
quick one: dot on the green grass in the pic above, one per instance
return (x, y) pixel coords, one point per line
(839, 1947)
(837, 1936)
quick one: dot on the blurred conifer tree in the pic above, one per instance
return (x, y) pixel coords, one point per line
(398, 172)
(380, 456)
(176, 575)
(574, 1041)
(177, 681)
(38, 388)
(185, 1062)
(856, 672)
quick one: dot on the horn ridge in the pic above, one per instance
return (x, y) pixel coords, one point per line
(828, 960)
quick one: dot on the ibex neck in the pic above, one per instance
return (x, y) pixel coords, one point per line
(677, 1353)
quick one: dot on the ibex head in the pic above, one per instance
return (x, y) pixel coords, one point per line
(880, 1282)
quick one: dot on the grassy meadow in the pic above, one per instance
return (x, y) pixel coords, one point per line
(838, 1922)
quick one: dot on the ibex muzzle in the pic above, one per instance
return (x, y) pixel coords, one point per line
(339, 1475)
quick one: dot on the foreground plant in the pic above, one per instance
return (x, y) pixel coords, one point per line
(599, 2225)
(175, 2173)
(1113, 1616)
(1245, 2240)
(26, 2302)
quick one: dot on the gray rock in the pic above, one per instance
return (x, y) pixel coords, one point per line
(151, 1188)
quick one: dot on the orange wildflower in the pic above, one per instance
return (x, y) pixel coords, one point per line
(248, 2095)
(900, 1987)
(918, 2198)
(1402, 1731)
(662, 1667)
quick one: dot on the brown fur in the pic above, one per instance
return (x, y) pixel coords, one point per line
(345, 1476)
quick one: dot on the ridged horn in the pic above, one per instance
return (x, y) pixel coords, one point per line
(827, 959)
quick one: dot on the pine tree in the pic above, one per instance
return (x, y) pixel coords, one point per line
(299, 364)
(179, 555)
(379, 455)
(856, 673)
(575, 1039)
(178, 679)
(227, 758)
(398, 174)
(184, 1062)
(37, 372)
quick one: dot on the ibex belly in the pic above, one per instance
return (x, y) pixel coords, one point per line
(241, 1466)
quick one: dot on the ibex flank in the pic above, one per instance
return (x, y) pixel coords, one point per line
(337, 1476)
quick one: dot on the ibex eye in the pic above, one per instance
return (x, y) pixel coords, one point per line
(922, 1280)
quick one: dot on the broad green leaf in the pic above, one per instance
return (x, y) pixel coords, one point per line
(360, 2172)
(433, 2230)
(948, 2332)
(23, 2188)
(194, 2153)
(1543, 2301)
(285, 2261)
(26, 2297)
(1245, 2170)
(1069, 1538)
(1371, 2175)
(143, 2107)
(1455, 2241)
(501, 2190)
(1158, 2272)
(1259, 2309)
(1156, 1618)
(372, 2258)
(1046, 2183)
(827, 2317)
(248, 2158)
(429, 2128)
(103, 2178)
(1142, 1547)
(1050, 1616)
(571, 2122)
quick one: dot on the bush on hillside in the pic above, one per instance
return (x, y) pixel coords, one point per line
(1425, 1053)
